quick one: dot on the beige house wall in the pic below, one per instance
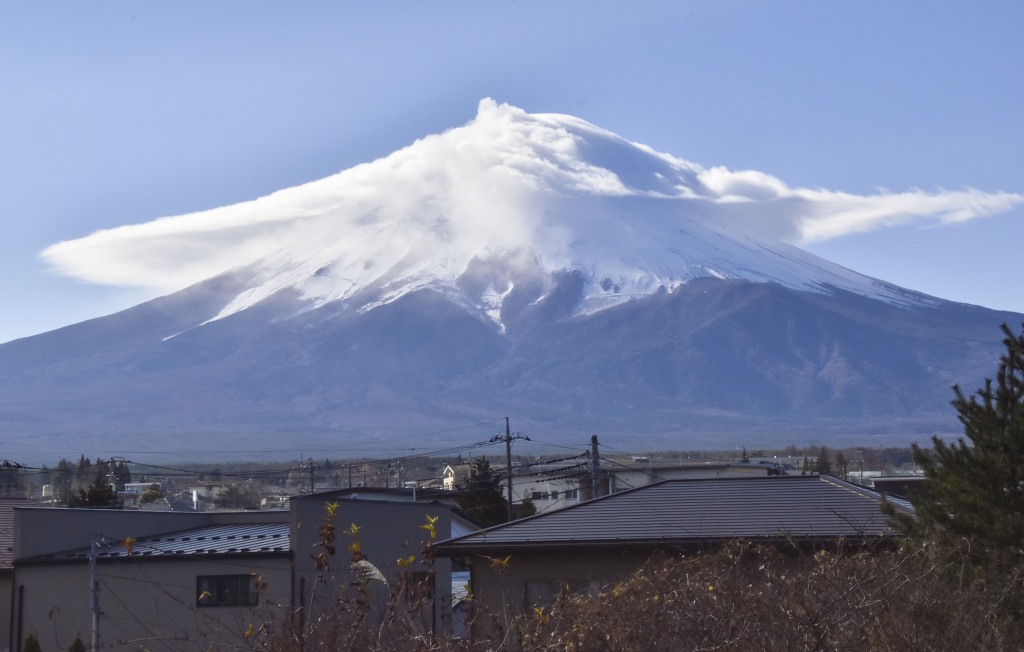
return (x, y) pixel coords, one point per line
(145, 604)
(500, 592)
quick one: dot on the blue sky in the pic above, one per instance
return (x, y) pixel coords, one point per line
(118, 113)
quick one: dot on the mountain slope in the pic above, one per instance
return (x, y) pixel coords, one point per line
(714, 363)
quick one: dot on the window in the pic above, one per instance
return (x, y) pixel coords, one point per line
(572, 494)
(554, 495)
(539, 495)
(227, 591)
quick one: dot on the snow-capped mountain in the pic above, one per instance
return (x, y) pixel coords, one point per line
(513, 196)
(508, 198)
(522, 265)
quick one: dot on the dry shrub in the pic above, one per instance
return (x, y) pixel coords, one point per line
(760, 598)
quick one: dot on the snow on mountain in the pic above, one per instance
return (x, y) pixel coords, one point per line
(522, 196)
(534, 194)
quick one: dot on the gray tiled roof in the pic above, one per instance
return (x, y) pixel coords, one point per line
(681, 512)
(214, 540)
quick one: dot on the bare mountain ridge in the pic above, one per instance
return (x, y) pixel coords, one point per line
(713, 363)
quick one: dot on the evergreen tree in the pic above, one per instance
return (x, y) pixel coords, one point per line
(9, 478)
(77, 645)
(976, 486)
(99, 494)
(122, 475)
(482, 499)
(823, 465)
(840, 464)
(62, 478)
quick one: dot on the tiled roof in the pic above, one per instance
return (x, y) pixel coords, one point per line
(214, 540)
(682, 512)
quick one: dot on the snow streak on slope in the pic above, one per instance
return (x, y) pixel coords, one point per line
(525, 196)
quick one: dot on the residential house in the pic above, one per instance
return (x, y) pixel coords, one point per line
(602, 541)
(554, 486)
(186, 580)
(163, 580)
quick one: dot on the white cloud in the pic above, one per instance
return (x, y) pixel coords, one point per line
(487, 186)
(766, 205)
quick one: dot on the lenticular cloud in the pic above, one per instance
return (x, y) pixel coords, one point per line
(568, 192)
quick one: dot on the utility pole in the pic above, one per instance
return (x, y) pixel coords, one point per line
(312, 471)
(94, 590)
(507, 438)
(595, 466)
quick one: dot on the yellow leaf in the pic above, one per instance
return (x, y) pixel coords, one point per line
(130, 544)
(249, 631)
(500, 563)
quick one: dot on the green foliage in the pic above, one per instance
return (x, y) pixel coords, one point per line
(151, 494)
(77, 645)
(482, 499)
(976, 486)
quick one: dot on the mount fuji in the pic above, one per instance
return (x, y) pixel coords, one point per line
(524, 265)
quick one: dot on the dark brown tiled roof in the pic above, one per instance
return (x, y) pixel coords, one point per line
(691, 512)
